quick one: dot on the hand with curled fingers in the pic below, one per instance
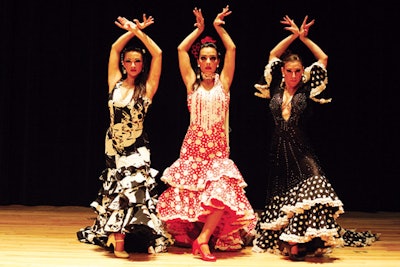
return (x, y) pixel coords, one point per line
(304, 29)
(292, 27)
(126, 24)
(146, 22)
(199, 18)
(219, 20)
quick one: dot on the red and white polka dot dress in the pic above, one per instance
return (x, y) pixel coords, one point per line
(204, 178)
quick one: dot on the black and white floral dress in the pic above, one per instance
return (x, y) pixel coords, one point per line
(301, 204)
(127, 199)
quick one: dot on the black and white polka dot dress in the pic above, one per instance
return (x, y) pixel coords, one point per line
(301, 204)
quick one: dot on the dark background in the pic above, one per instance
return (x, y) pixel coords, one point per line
(54, 115)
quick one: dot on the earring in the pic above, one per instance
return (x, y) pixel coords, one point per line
(303, 78)
(123, 70)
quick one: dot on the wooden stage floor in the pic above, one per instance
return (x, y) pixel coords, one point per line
(46, 236)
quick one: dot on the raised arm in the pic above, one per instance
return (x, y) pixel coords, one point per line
(228, 69)
(281, 47)
(185, 67)
(277, 51)
(156, 53)
(114, 72)
(314, 48)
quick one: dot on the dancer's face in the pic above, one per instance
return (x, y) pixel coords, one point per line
(292, 71)
(208, 60)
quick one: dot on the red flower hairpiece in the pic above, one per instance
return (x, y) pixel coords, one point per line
(208, 39)
(196, 47)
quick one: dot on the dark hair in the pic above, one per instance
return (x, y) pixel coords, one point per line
(209, 44)
(288, 56)
(140, 81)
(198, 80)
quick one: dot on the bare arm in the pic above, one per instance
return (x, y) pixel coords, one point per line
(314, 48)
(156, 53)
(281, 47)
(228, 69)
(277, 51)
(114, 72)
(185, 67)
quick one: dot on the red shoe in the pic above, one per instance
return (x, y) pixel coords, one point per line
(196, 249)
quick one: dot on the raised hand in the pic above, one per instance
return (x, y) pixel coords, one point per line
(219, 20)
(292, 27)
(126, 24)
(304, 29)
(199, 18)
(146, 22)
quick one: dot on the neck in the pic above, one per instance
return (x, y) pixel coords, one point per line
(129, 83)
(290, 90)
(207, 76)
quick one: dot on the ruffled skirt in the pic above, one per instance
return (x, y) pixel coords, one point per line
(126, 203)
(307, 214)
(184, 209)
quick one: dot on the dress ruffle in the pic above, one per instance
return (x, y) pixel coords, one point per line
(302, 206)
(204, 179)
(126, 202)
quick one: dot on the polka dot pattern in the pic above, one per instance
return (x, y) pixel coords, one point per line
(203, 178)
(302, 206)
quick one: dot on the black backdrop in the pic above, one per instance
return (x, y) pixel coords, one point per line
(54, 88)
